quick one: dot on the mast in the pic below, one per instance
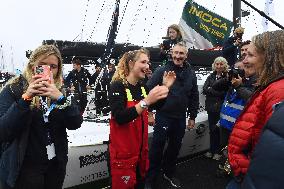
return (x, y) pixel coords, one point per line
(237, 13)
(112, 33)
(12, 60)
(263, 14)
(2, 63)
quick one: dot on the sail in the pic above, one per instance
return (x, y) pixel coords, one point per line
(203, 29)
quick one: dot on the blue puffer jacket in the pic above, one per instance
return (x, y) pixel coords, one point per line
(266, 167)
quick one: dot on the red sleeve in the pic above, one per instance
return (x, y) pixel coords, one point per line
(248, 127)
(240, 141)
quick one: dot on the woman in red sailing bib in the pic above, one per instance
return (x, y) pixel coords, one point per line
(129, 119)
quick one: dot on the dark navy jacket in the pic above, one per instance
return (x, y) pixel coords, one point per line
(79, 80)
(266, 167)
(15, 126)
(230, 51)
(183, 95)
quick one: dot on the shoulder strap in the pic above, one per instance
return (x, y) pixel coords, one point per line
(143, 92)
(128, 95)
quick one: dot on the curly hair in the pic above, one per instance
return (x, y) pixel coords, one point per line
(247, 42)
(271, 45)
(123, 70)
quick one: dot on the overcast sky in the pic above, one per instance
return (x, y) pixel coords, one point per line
(26, 23)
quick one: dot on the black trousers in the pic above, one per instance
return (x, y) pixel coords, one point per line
(166, 129)
(47, 176)
(81, 100)
(213, 118)
(225, 134)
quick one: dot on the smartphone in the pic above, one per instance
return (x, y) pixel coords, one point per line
(43, 71)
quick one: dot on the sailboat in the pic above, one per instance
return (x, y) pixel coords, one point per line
(88, 145)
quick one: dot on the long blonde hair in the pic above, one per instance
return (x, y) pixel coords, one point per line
(271, 44)
(123, 70)
(41, 52)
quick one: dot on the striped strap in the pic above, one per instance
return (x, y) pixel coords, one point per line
(144, 92)
(129, 95)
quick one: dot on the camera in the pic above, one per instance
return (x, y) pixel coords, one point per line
(238, 36)
(43, 71)
(166, 38)
(235, 73)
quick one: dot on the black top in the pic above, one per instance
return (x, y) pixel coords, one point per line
(118, 100)
(79, 79)
(36, 150)
(38, 137)
(230, 51)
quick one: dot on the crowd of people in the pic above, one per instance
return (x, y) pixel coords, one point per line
(244, 103)
(79, 81)
(253, 88)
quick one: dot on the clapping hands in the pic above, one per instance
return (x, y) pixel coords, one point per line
(169, 78)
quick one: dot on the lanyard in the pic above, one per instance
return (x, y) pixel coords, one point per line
(46, 114)
(51, 107)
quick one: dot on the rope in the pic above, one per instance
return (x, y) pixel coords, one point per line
(83, 23)
(85, 16)
(134, 22)
(99, 16)
(149, 28)
(123, 13)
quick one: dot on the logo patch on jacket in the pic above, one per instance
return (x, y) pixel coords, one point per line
(125, 179)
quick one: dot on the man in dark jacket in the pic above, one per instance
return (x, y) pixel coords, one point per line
(267, 165)
(171, 117)
(231, 47)
(78, 81)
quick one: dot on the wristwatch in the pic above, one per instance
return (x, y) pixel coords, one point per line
(143, 104)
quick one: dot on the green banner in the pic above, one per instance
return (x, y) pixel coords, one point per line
(208, 24)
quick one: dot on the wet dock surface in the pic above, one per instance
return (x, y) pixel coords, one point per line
(199, 173)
